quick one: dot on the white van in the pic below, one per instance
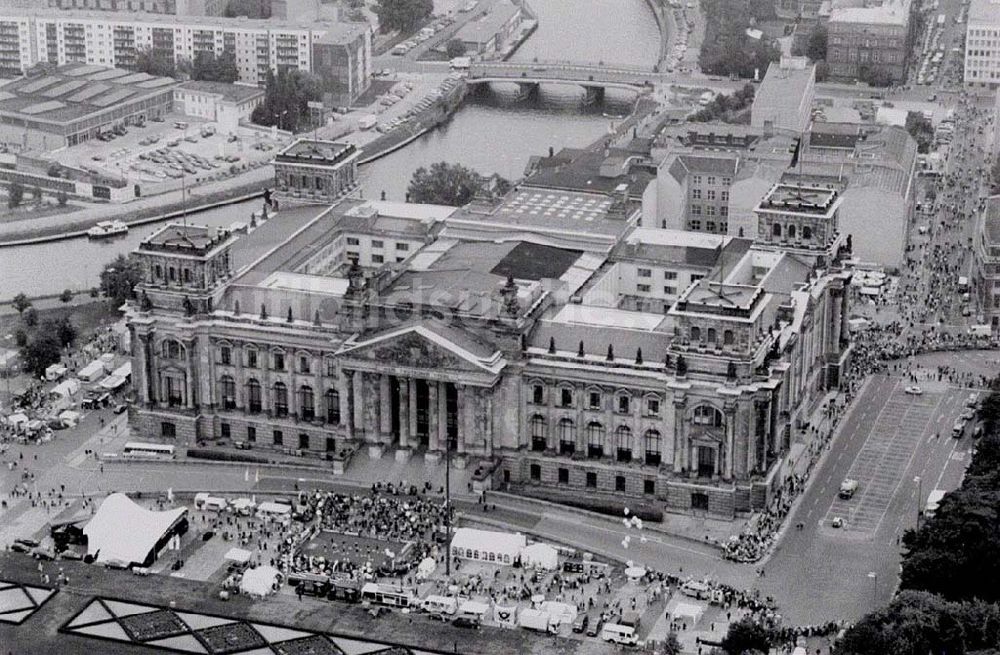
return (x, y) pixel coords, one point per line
(619, 634)
(695, 589)
(440, 605)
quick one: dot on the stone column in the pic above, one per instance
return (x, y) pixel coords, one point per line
(357, 402)
(467, 418)
(681, 454)
(730, 442)
(344, 399)
(433, 421)
(140, 368)
(385, 408)
(583, 399)
(412, 411)
(404, 413)
(442, 414)
(188, 374)
(488, 422)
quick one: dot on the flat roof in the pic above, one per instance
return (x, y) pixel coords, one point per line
(74, 91)
(799, 199)
(333, 286)
(485, 28)
(315, 151)
(671, 247)
(230, 92)
(893, 12)
(420, 212)
(608, 317)
(991, 220)
(186, 238)
(984, 11)
(565, 211)
(312, 22)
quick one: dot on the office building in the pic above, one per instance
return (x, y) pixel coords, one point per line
(784, 99)
(315, 171)
(865, 42)
(982, 43)
(986, 265)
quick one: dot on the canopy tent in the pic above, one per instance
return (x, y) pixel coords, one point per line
(634, 572)
(540, 556)
(17, 420)
(91, 371)
(107, 358)
(487, 546)
(691, 612)
(66, 388)
(54, 371)
(560, 612)
(273, 509)
(238, 555)
(124, 531)
(426, 568)
(259, 581)
(241, 505)
(112, 382)
(474, 608)
(870, 291)
(70, 417)
(123, 371)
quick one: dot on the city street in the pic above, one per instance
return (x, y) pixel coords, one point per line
(885, 442)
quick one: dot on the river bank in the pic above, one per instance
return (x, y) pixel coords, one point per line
(147, 210)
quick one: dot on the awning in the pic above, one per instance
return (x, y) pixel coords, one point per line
(112, 382)
(238, 555)
(122, 530)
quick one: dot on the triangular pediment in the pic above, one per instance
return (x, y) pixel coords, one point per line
(422, 347)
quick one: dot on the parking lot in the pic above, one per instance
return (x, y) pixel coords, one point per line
(177, 147)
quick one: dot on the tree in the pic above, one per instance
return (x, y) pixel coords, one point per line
(21, 303)
(921, 129)
(15, 195)
(286, 98)
(36, 194)
(727, 49)
(402, 15)
(30, 317)
(816, 45)
(119, 277)
(42, 349)
(671, 645)
(155, 61)
(747, 636)
(66, 295)
(455, 48)
(444, 184)
(206, 66)
(62, 198)
(64, 330)
(20, 337)
(875, 76)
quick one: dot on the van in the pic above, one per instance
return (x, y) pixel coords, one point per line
(695, 589)
(619, 634)
(439, 605)
(847, 489)
(958, 429)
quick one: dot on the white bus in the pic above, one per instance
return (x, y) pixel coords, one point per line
(941, 19)
(387, 595)
(140, 450)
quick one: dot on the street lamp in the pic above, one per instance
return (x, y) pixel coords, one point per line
(919, 496)
(874, 578)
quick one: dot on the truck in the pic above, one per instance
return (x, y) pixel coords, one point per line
(980, 330)
(619, 634)
(847, 488)
(532, 619)
(460, 63)
(439, 605)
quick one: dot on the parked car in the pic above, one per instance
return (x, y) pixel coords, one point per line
(581, 623)
(465, 622)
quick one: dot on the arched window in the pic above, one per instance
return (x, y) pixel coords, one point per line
(623, 443)
(653, 446)
(791, 231)
(807, 232)
(727, 338)
(253, 396)
(538, 430)
(712, 337)
(695, 333)
(595, 440)
(280, 399)
(307, 409)
(333, 407)
(567, 436)
(171, 349)
(707, 415)
(776, 229)
(227, 392)
(251, 357)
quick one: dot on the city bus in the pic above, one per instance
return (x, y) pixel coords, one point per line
(140, 450)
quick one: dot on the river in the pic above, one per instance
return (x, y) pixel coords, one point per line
(492, 134)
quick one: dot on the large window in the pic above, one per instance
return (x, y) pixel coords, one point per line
(307, 408)
(227, 392)
(537, 394)
(595, 440)
(623, 443)
(333, 407)
(225, 355)
(279, 361)
(280, 399)
(251, 358)
(567, 436)
(653, 445)
(253, 396)
(565, 397)
(171, 349)
(538, 432)
(624, 404)
(707, 415)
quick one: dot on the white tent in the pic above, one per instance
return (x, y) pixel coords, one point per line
(91, 371)
(238, 555)
(112, 382)
(70, 417)
(123, 371)
(487, 546)
(17, 420)
(54, 372)
(426, 568)
(66, 388)
(122, 530)
(259, 581)
(690, 612)
(107, 359)
(540, 556)
(560, 612)
(276, 510)
(474, 608)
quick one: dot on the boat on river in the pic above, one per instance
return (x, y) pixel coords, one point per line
(107, 230)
